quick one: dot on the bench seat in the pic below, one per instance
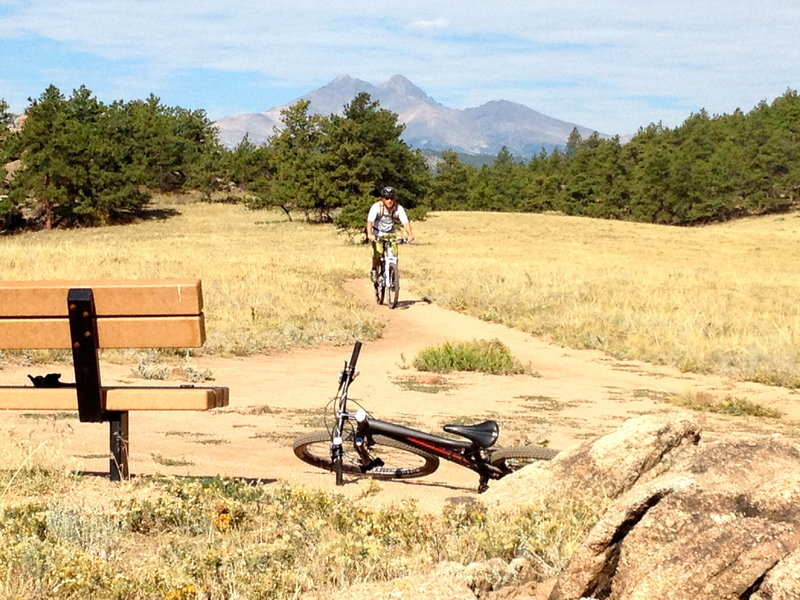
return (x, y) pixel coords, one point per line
(115, 398)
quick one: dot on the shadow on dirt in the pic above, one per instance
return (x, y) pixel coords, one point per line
(405, 304)
(253, 481)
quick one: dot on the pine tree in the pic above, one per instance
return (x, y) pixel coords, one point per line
(450, 185)
(363, 153)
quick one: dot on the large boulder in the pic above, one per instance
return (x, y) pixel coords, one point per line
(605, 467)
(782, 582)
(722, 522)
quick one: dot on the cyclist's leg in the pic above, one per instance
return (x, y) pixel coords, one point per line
(377, 252)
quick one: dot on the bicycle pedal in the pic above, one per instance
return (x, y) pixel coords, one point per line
(374, 463)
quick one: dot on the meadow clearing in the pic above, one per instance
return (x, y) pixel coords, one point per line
(716, 299)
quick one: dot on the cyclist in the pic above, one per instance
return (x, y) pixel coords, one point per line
(381, 220)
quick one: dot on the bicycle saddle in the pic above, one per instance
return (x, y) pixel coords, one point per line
(483, 435)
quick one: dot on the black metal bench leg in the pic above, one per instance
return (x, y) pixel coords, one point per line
(118, 438)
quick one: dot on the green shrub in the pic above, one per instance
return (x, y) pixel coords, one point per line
(480, 355)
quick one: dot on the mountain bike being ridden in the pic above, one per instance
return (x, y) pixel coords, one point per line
(356, 443)
(382, 218)
(387, 276)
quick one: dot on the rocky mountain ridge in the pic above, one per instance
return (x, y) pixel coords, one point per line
(429, 125)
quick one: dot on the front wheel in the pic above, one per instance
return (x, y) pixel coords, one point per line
(512, 459)
(380, 286)
(393, 286)
(400, 461)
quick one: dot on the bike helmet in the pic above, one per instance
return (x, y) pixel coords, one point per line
(388, 192)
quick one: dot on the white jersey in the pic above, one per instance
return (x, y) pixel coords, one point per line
(383, 221)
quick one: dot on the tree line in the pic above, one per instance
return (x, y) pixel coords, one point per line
(708, 169)
(74, 161)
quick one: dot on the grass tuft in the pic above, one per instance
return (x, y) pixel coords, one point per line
(483, 356)
(729, 405)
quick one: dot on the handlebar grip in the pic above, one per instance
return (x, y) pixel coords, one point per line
(354, 356)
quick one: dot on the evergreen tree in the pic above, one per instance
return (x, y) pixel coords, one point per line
(573, 143)
(773, 154)
(86, 163)
(451, 184)
(9, 214)
(544, 182)
(296, 182)
(54, 146)
(498, 186)
(651, 156)
(250, 168)
(362, 153)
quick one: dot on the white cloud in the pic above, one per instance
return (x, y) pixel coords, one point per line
(439, 23)
(613, 65)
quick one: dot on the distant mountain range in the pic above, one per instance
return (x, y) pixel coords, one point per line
(429, 125)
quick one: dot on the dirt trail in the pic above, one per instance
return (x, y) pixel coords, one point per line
(574, 395)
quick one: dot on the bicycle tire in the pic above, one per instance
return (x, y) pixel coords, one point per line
(401, 461)
(393, 286)
(514, 458)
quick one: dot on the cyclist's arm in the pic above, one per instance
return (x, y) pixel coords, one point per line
(371, 216)
(408, 232)
(406, 223)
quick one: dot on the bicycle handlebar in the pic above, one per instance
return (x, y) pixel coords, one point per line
(392, 238)
(354, 356)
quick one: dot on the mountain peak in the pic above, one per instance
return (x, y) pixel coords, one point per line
(401, 85)
(345, 82)
(427, 124)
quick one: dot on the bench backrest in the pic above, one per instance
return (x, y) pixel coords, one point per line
(143, 313)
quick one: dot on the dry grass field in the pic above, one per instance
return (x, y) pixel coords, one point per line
(717, 299)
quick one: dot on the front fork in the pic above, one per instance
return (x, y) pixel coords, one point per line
(337, 452)
(363, 442)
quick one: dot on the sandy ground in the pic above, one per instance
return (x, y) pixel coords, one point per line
(572, 396)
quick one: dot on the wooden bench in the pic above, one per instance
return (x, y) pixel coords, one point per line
(87, 316)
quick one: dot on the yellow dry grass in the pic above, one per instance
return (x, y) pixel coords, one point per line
(719, 299)
(268, 284)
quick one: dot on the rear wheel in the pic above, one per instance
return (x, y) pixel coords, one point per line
(400, 461)
(393, 286)
(513, 459)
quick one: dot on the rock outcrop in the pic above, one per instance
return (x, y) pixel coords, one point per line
(639, 451)
(721, 521)
(688, 517)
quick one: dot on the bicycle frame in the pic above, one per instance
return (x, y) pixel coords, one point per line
(388, 278)
(467, 452)
(460, 452)
(389, 255)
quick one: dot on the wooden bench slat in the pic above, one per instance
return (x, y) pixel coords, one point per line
(115, 398)
(112, 297)
(112, 332)
(165, 398)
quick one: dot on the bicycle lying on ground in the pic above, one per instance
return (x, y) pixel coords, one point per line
(358, 444)
(387, 280)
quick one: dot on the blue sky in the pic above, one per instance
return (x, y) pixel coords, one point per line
(609, 65)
